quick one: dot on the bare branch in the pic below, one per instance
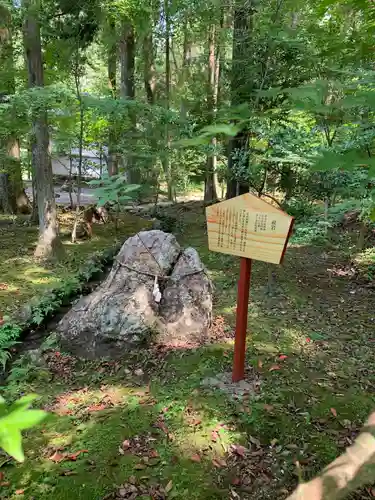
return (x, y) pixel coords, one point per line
(352, 470)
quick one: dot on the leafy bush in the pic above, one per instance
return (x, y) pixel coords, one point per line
(311, 230)
(114, 190)
(299, 208)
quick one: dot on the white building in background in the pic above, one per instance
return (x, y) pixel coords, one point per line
(93, 163)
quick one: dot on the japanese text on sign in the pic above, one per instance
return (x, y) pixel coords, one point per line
(234, 227)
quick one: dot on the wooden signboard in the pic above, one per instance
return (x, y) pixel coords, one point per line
(252, 229)
(249, 227)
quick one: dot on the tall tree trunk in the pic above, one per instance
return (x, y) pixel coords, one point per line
(112, 84)
(149, 67)
(186, 62)
(149, 77)
(241, 90)
(127, 90)
(49, 244)
(210, 194)
(80, 144)
(10, 164)
(166, 157)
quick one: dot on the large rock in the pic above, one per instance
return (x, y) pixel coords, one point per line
(123, 312)
(187, 301)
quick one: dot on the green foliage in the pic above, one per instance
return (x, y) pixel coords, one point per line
(9, 337)
(114, 190)
(299, 208)
(13, 420)
(53, 299)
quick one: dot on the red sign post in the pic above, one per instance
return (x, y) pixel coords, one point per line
(241, 320)
(250, 228)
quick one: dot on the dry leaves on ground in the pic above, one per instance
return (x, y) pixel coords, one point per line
(61, 365)
(133, 489)
(58, 457)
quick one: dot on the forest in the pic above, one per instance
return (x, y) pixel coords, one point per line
(124, 116)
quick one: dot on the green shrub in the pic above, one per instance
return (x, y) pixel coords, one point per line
(299, 208)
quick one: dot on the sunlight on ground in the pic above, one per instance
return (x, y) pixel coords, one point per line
(109, 425)
(22, 279)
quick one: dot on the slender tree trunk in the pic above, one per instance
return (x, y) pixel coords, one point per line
(127, 90)
(10, 164)
(166, 157)
(34, 217)
(49, 244)
(149, 77)
(210, 194)
(241, 89)
(80, 146)
(363, 229)
(149, 67)
(186, 62)
(112, 84)
(5, 196)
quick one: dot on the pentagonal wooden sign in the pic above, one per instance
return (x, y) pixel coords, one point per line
(250, 227)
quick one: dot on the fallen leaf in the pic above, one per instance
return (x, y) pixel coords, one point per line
(74, 456)
(5, 483)
(219, 463)
(196, 421)
(268, 407)
(153, 454)
(274, 367)
(19, 492)
(96, 407)
(254, 441)
(121, 451)
(139, 467)
(125, 444)
(160, 425)
(214, 436)
(274, 441)
(257, 453)
(239, 450)
(334, 412)
(169, 486)
(57, 457)
(234, 494)
(282, 357)
(195, 458)
(247, 410)
(69, 472)
(260, 364)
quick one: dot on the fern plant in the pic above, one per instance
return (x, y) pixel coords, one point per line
(9, 335)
